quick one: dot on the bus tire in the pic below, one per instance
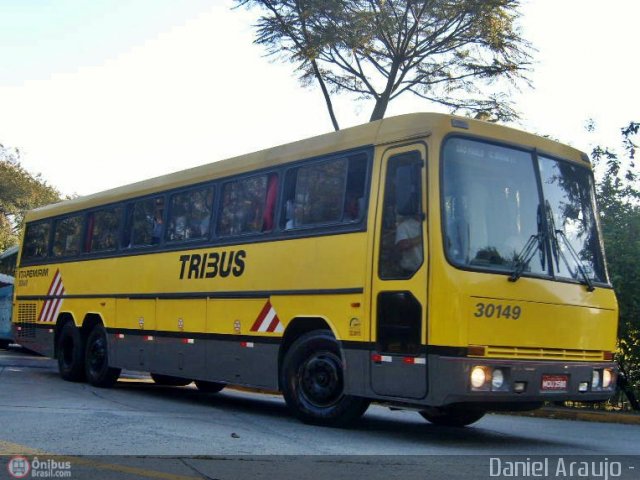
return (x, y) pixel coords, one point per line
(312, 380)
(170, 381)
(209, 387)
(97, 369)
(70, 353)
(452, 416)
(4, 344)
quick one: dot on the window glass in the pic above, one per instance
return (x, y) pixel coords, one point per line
(145, 222)
(354, 201)
(570, 202)
(401, 246)
(103, 228)
(67, 236)
(190, 214)
(36, 241)
(318, 195)
(243, 205)
(325, 193)
(491, 206)
(8, 260)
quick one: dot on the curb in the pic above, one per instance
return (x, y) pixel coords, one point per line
(582, 415)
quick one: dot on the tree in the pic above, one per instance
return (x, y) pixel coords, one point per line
(618, 198)
(19, 191)
(450, 52)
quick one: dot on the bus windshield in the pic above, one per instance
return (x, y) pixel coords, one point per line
(493, 212)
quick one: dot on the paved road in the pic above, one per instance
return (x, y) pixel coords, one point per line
(42, 414)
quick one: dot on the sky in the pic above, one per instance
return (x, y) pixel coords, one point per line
(103, 93)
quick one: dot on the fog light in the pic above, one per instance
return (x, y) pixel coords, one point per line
(595, 380)
(583, 386)
(519, 387)
(497, 379)
(607, 378)
(478, 377)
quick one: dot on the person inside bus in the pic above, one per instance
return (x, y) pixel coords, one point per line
(409, 236)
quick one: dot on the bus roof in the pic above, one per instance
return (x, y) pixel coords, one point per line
(383, 131)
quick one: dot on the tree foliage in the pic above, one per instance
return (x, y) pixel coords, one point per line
(19, 191)
(451, 52)
(618, 197)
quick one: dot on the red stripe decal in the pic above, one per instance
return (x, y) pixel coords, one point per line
(261, 316)
(274, 323)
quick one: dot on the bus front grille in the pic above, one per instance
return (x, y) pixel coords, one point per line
(26, 320)
(544, 353)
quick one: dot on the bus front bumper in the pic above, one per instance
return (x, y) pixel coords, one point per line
(504, 382)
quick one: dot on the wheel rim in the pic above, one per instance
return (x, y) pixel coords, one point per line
(321, 379)
(97, 354)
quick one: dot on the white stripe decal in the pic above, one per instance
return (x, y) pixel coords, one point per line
(267, 320)
(46, 309)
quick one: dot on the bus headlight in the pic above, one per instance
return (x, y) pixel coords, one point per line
(479, 376)
(497, 379)
(607, 378)
(595, 380)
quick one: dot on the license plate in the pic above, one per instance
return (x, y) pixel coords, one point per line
(554, 382)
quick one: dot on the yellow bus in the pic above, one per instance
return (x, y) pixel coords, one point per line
(426, 261)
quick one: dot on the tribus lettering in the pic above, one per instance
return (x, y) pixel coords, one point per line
(211, 265)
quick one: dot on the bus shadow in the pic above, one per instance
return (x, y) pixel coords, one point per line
(477, 437)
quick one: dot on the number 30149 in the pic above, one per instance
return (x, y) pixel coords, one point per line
(492, 310)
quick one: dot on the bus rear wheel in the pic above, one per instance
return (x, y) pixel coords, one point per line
(97, 369)
(209, 387)
(170, 381)
(312, 380)
(452, 416)
(70, 353)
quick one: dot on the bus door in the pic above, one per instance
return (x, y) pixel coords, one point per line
(399, 284)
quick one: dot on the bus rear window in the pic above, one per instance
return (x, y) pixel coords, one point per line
(36, 241)
(67, 235)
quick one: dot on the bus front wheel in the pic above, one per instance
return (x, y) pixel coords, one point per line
(451, 416)
(97, 369)
(312, 380)
(70, 353)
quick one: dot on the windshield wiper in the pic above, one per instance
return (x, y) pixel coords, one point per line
(557, 251)
(574, 257)
(535, 243)
(523, 258)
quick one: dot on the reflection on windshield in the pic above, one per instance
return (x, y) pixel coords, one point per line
(569, 195)
(491, 205)
(491, 213)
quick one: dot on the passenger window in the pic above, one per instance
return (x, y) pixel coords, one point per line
(248, 205)
(36, 241)
(67, 236)
(102, 230)
(327, 192)
(145, 223)
(190, 215)
(401, 244)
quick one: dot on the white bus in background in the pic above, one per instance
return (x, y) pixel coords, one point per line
(7, 273)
